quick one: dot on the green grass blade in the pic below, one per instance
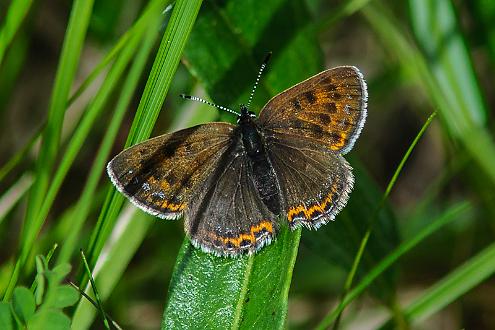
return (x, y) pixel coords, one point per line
(83, 129)
(95, 305)
(133, 226)
(18, 157)
(76, 32)
(374, 216)
(128, 89)
(477, 269)
(95, 291)
(166, 62)
(10, 197)
(137, 27)
(15, 16)
(74, 146)
(463, 124)
(406, 156)
(458, 282)
(448, 216)
(71, 51)
(436, 27)
(98, 69)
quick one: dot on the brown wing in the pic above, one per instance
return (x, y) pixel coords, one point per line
(227, 216)
(160, 175)
(315, 182)
(329, 107)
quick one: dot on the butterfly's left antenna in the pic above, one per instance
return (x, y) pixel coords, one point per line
(198, 99)
(262, 68)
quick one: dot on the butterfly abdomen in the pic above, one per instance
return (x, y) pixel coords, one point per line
(262, 171)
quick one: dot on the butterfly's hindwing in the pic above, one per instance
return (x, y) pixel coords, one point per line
(227, 216)
(315, 183)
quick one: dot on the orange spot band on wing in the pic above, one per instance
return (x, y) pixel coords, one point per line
(339, 144)
(263, 227)
(173, 207)
(310, 212)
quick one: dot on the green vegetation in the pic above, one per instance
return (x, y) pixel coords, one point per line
(413, 248)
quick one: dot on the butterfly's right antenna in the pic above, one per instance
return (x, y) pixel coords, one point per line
(262, 68)
(198, 99)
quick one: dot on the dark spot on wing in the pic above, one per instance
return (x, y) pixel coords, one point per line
(296, 104)
(324, 118)
(329, 85)
(310, 97)
(331, 107)
(335, 136)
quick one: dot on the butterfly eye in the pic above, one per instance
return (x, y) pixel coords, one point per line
(252, 114)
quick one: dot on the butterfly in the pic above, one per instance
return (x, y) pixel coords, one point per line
(236, 184)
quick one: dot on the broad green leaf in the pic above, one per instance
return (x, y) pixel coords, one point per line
(23, 304)
(6, 319)
(225, 49)
(224, 293)
(65, 296)
(49, 319)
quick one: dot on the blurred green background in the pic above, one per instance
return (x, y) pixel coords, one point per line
(418, 57)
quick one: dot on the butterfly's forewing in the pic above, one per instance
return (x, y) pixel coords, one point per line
(161, 174)
(227, 216)
(329, 108)
(315, 183)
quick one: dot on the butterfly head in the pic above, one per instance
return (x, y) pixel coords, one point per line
(245, 115)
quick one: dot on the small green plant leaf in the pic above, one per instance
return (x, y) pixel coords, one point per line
(62, 270)
(49, 319)
(6, 320)
(23, 304)
(65, 296)
(40, 279)
(40, 288)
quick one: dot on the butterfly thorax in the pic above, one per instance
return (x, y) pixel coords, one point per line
(262, 170)
(251, 137)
